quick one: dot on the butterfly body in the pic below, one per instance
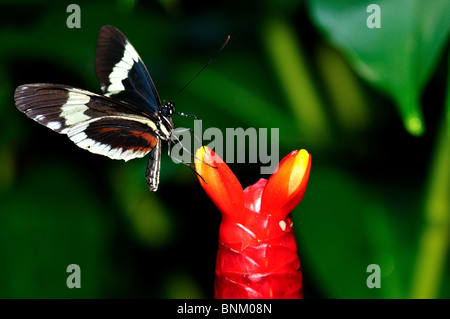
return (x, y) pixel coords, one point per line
(128, 121)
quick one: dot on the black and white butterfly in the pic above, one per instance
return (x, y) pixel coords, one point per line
(128, 121)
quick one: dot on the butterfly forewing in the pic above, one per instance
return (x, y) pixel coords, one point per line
(121, 72)
(93, 122)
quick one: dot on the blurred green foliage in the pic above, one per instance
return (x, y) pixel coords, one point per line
(398, 57)
(378, 193)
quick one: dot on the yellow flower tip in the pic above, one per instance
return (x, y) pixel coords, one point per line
(299, 169)
(198, 159)
(415, 126)
(205, 158)
(199, 154)
(204, 154)
(286, 187)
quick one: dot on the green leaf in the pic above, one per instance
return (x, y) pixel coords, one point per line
(397, 58)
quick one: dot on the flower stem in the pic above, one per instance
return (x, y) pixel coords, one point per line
(434, 241)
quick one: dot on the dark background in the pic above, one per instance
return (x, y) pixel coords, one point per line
(370, 105)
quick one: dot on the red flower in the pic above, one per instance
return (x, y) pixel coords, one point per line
(257, 255)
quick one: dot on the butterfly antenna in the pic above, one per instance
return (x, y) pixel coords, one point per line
(198, 73)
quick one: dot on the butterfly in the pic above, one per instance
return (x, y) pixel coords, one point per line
(128, 121)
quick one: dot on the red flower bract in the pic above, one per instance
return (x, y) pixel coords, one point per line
(257, 255)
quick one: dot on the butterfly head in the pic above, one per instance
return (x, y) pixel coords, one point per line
(167, 109)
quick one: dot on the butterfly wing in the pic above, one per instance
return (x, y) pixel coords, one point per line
(93, 122)
(121, 72)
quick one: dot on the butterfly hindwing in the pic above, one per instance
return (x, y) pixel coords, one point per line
(93, 122)
(114, 137)
(121, 72)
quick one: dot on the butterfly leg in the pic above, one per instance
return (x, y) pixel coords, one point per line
(187, 115)
(185, 149)
(191, 167)
(182, 130)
